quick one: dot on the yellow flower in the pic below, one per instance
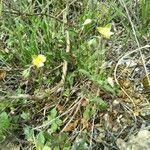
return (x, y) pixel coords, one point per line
(39, 60)
(105, 31)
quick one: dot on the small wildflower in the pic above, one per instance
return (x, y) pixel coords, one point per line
(39, 60)
(105, 31)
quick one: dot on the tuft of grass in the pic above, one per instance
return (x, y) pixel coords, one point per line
(145, 12)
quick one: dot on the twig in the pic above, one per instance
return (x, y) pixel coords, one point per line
(65, 64)
(43, 95)
(92, 131)
(66, 112)
(72, 117)
(23, 96)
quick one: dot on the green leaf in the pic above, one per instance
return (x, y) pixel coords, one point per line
(29, 133)
(38, 147)
(84, 72)
(4, 125)
(101, 104)
(4, 121)
(40, 139)
(5, 104)
(58, 121)
(88, 112)
(54, 127)
(53, 113)
(108, 25)
(56, 148)
(109, 88)
(93, 43)
(25, 115)
(26, 73)
(67, 148)
(46, 148)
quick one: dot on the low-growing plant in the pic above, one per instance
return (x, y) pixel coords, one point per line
(4, 125)
(54, 54)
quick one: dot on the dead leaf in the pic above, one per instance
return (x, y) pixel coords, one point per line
(85, 123)
(60, 108)
(84, 103)
(71, 126)
(2, 74)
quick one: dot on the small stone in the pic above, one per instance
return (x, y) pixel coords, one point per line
(145, 112)
(115, 102)
(121, 144)
(138, 142)
(144, 134)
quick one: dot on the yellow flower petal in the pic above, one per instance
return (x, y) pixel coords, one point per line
(40, 65)
(105, 31)
(42, 57)
(39, 60)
